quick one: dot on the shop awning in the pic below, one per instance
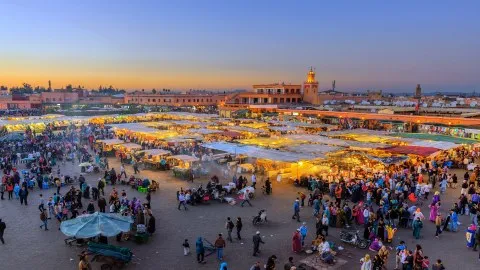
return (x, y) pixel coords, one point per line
(413, 150)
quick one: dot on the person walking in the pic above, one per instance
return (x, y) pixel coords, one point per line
(239, 226)
(229, 226)
(246, 198)
(254, 180)
(200, 249)
(122, 171)
(181, 201)
(3, 226)
(296, 210)
(41, 205)
(220, 245)
(366, 262)
(101, 186)
(43, 218)
(23, 195)
(102, 203)
(186, 247)
(10, 190)
(257, 239)
(438, 224)
(2, 189)
(303, 232)
(417, 226)
(135, 168)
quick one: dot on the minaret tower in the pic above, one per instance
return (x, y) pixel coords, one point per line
(310, 88)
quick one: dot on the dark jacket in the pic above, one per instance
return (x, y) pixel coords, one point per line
(2, 226)
(257, 239)
(151, 225)
(102, 202)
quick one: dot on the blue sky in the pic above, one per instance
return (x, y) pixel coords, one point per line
(390, 45)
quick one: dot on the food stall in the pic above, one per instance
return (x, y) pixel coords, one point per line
(183, 165)
(108, 144)
(155, 158)
(126, 151)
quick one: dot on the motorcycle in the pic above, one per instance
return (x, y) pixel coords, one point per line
(260, 218)
(353, 238)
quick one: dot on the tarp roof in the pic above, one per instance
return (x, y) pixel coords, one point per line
(111, 141)
(435, 144)
(258, 152)
(415, 150)
(156, 152)
(435, 137)
(335, 142)
(131, 146)
(185, 158)
(203, 131)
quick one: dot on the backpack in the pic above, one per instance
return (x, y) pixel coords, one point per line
(43, 217)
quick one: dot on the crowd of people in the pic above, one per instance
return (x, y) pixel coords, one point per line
(35, 164)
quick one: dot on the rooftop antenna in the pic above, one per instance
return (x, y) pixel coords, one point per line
(333, 85)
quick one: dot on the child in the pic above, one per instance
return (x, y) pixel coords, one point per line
(425, 263)
(186, 247)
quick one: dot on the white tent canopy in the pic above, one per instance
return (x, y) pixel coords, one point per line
(335, 142)
(319, 150)
(203, 131)
(257, 152)
(156, 152)
(185, 158)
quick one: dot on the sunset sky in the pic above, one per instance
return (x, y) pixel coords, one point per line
(230, 44)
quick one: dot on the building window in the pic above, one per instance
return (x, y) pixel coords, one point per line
(286, 91)
(288, 100)
(255, 100)
(189, 100)
(265, 100)
(177, 99)
(154, 100)
(298, 91)
(164, 100)
(148, 100)
(282, 100)
(275, 100)
(279, 91)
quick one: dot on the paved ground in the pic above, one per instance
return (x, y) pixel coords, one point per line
(29, 247)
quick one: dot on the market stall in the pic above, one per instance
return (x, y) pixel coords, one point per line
(154, 158)
(108, 144)
(126, 151)
(183, 166)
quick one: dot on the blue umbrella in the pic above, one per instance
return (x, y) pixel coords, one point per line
(91, 225)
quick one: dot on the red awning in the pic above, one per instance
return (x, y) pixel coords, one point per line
(231, 134)
(414, 150)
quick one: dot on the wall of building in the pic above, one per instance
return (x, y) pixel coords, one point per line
(59, 97)
(174, 100)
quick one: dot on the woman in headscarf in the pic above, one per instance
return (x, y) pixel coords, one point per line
(200, 249)
(433, 211)
(296, 241)
(417, 226)
(366, 263)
